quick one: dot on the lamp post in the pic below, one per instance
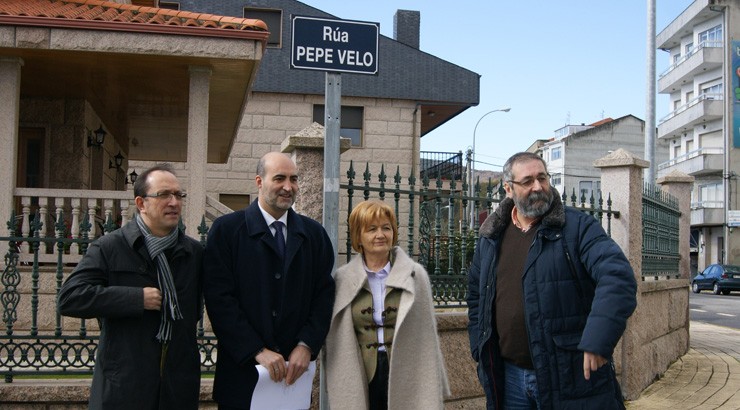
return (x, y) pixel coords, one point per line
(472, 168)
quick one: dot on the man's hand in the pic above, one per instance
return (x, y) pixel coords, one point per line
(152, 299)
(297, 363)
(591, 361)
(273, 362)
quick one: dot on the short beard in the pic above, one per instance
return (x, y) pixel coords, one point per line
(535, 204)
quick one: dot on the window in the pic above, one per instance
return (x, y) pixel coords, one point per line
(351, 126)
(689, 48)
(712, 35)
(556, 153)
(556, 179)
(712, 91)
(711, 195)
(588, 188)
(169, 5)
(676, 57)
(273, 19)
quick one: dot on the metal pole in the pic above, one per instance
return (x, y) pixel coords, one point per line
(332, 121)
(650, 103)
(472, 168)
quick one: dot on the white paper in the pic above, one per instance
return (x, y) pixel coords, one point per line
(269, 395)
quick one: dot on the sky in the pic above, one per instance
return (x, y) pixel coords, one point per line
(552, 62)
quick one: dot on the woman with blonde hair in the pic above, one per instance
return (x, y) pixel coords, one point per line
(382, 351)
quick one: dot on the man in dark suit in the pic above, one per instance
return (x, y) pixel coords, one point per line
(268, 286)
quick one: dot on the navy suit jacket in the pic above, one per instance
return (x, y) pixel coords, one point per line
(256, 300)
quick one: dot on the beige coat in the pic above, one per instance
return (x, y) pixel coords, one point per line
(417, 378)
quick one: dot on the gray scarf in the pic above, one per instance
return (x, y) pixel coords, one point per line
(156, 247)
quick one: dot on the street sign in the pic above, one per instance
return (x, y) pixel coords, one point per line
(733, 218)
(334, 45)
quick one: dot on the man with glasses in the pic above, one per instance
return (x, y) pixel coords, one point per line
(549, 297)
(143, 282)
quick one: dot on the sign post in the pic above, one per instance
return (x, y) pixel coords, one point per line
(333, 46)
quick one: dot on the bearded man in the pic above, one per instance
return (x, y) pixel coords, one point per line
(549, 297)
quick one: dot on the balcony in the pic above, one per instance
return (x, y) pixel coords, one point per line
(707, 213)
(702, 161)
(706, 57)
(705, 107)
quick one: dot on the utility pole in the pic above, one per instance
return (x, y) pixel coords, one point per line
(650, 103)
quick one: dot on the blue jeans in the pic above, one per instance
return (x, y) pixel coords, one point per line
(520, 388)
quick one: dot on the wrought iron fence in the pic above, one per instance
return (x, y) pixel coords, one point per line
(443, 238)
(660, 247)
(36, 339)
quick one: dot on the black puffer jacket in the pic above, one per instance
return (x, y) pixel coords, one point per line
(579, 291)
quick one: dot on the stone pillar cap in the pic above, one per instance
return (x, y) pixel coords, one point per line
(674, 177)
(620, 158)
(311, 137)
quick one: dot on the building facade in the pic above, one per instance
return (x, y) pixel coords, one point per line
(698, 127)
(571, 152)
(384, 115)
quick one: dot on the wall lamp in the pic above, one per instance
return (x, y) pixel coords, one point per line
(132, 177)
(118, 158)
(96, 138)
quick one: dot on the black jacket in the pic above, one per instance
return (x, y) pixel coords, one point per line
(254, 300)
(107, 284)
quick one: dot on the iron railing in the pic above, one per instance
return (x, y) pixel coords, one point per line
(442, 238)
(660, 224)
(36, 338)
(437, 233)
(444, 165)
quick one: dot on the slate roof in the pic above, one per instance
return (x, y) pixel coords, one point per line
(404, 72)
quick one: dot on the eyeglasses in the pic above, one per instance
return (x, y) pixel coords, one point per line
(166, 195)
(528, 182)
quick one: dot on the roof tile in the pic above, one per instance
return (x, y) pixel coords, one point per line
(108, 11)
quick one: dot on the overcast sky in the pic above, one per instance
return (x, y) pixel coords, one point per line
(552, 62)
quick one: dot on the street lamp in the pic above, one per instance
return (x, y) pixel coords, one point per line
(472, 167)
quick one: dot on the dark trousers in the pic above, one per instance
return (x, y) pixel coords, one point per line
(378, 387)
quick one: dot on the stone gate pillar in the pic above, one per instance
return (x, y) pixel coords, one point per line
(307, 151)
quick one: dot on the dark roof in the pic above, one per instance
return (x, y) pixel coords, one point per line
(404, 72)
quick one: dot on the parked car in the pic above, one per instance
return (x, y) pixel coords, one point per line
(718, 278)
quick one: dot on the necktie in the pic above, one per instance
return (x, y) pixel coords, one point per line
(279, 237)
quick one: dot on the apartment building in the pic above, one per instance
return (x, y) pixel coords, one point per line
(697, 82)
(571, 152)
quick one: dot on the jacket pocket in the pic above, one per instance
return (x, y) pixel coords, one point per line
(570, 369)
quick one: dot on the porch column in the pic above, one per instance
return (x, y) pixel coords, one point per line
(200, 78)
(10, 95)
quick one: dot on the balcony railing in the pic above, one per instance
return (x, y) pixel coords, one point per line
(445, 165)
(61, 211)
(694, 101)
(707, 204)
(691, 154)
(703, 44)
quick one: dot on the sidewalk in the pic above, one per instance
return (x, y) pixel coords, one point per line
(707, 377)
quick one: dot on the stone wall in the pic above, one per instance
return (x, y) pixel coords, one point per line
(72, 394)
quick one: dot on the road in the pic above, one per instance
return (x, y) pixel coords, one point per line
(718, 310)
